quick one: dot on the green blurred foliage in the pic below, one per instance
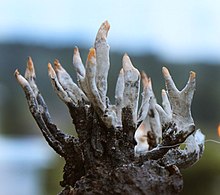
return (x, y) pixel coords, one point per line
(15, 119)
(204, 177)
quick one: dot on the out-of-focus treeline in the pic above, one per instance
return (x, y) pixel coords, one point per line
(15, 119)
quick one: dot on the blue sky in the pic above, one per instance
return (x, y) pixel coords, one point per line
(177, 30)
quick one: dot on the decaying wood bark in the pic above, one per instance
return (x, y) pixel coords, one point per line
(119, 150)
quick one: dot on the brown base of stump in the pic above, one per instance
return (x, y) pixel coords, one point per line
(146, 178)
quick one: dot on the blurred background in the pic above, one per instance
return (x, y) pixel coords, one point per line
(182, 35)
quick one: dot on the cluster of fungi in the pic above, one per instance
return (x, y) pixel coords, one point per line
(120, 148)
